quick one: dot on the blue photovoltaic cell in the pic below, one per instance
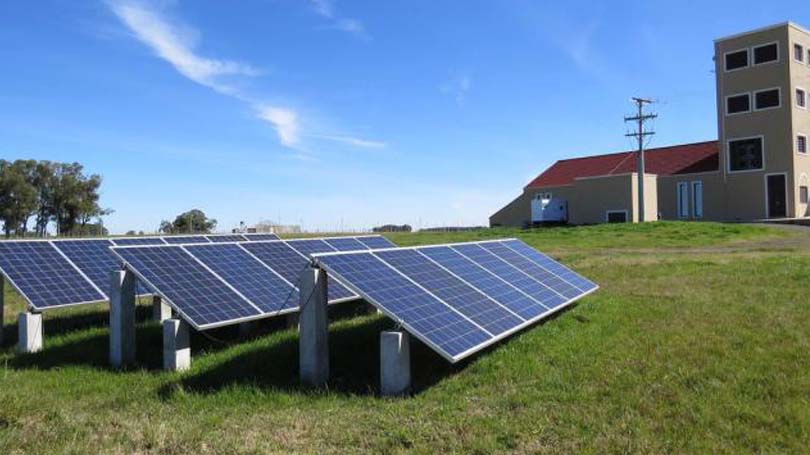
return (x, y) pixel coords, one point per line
(179, 239)
(422, 313)
(259, 237)
(247, 275)
(535, 271)
(510, 274)
(193, 290)
(551, 265)
(376, 242)
(468, 301)
(132, 241)
(93, 258)
(506, 294)
(226, 238)
(346, 244)
(43, 276)
(310, 246)
(289, 264)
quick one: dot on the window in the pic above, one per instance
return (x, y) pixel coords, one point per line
(803, 194)
(801, 143)
(745, 154)
(801, 98)
(736, 104)
(798, 52)
(766, 53)
(697, 199)
(616, 216)
(767, 99)
(736, 60)
(683, 200)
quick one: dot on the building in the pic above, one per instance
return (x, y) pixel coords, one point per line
(758, 169)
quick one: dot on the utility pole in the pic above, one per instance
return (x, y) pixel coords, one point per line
(640, 134)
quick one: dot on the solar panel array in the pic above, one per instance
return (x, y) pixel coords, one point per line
(460, 298)
(216, 284)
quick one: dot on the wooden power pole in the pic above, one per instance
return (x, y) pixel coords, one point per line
(640, 118)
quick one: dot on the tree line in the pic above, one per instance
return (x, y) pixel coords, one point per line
(41, 192)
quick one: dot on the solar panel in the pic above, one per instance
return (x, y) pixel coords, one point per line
(93, 258)
(418, 311)
(492, 286)
(185, 239)
(265, 288)
(289, 263)
(376, 242)
(192, 289)
(131, 241)
(260, 237)
(226, 238)
(346, 244)
(44, 277)
(310, 246)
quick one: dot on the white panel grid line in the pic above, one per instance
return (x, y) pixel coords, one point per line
(75, 267)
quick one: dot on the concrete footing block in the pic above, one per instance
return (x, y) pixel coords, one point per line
(122, 318)
(395, 363)
(176, 345)
(313, 328)
(160, 311)
(29, 328)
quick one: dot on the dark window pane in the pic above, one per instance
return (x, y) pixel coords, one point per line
(798, 52)
(801, 144)
(765, 54)
(617, 217)
(738, 103)
(745, 154)
(766, 99)
(803, 194)
(736, 60)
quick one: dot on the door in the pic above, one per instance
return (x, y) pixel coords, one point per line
(776, 187)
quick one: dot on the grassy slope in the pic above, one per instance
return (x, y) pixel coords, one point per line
(696, 342)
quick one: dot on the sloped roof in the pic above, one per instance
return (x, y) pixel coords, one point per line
(672, 160)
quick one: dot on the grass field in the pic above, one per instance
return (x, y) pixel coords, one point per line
(697, 342)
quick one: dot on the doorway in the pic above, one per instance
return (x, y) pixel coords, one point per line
(776, 195)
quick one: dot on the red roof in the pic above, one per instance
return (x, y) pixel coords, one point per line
(673, 160)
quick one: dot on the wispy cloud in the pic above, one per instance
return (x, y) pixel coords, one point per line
(357, 142)
(176, 44)
(326, 9)
(458, 88)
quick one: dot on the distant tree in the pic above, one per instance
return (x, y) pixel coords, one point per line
(191, 222)
(18, 197)
(130, 233)
(90, 230)
(393, 228)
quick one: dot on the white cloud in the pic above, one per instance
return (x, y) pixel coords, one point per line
(323, 7)
(284, 121)
(326, 9)
(458, 88)
(357, 142)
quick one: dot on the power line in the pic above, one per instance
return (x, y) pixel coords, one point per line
(640, 118)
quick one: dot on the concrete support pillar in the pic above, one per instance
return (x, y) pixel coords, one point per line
(176, 345)
(395, 363)
(29, 328)
(313, 329)
(292, 320)
(2, 307)
(122, 318)
(160, 311)
(248, 329)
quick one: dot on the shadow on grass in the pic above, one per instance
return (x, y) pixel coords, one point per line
(354, 364)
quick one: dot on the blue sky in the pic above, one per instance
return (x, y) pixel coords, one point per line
(347, 113)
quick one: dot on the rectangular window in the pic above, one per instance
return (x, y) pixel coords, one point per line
(736, 104)
(736, 60)
(801, 143)
(745, 154)
(767, 99)
(798, 52)
(766, 53)
(683, 200)
(801, 98)
(803, 194)
(697, 199)
(616, 216)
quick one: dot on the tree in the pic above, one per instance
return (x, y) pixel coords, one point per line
(191, 222)
(18, 199)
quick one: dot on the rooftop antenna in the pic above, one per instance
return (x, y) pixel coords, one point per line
(640, 134)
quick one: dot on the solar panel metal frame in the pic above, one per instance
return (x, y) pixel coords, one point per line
(433, 346)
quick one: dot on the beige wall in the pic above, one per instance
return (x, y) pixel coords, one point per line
(800, 77)
(516, 213)
(714, 196)
(594, 196)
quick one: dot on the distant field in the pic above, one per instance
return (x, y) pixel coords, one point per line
(697, 342)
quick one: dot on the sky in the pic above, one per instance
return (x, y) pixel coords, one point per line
(339, 114)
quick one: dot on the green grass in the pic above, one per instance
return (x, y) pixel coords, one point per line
(696, 343)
